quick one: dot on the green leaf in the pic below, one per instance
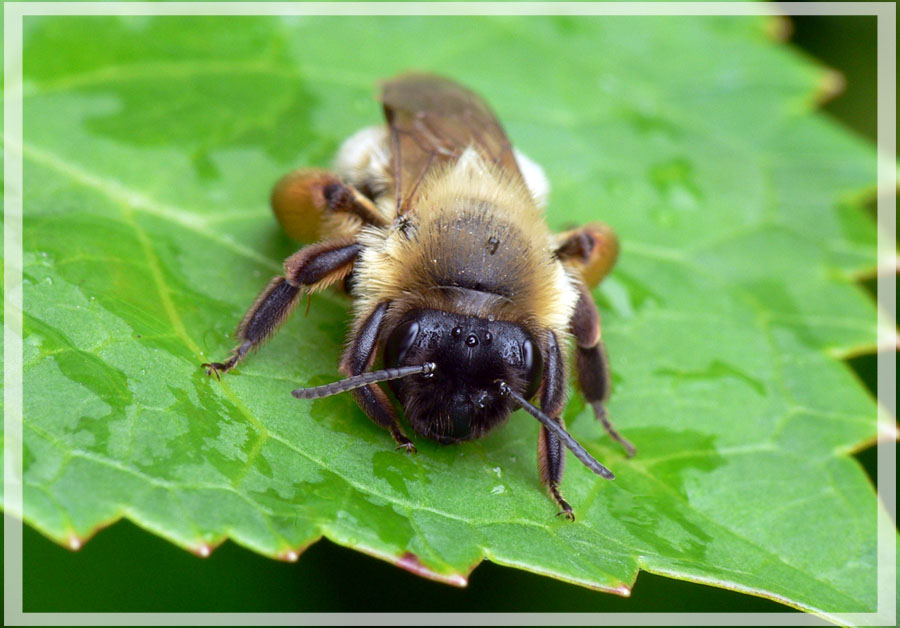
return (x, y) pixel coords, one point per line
(150, 148)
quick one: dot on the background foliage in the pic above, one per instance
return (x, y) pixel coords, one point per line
(182, 130)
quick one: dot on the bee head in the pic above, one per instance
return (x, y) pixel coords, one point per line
(461, 399)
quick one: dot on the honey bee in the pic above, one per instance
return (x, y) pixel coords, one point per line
(463, 296)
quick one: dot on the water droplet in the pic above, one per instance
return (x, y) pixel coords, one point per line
(50, 280)
(497, 490)
(497, 471)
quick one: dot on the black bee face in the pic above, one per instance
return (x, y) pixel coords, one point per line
(461, 400)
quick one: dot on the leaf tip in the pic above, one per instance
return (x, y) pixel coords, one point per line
(74, 543)
(830, 85)
(410, 562)
(202, 550)
(290, 556)
(779, 28)
(887, 429)
(622, 590)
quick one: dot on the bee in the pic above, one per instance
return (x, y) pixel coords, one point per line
(462, 295)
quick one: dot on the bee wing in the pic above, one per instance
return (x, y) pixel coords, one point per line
(432, 121)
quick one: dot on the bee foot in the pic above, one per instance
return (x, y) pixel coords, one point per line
(568, 514)
(404, 444)
(215, 368)
(566, 508)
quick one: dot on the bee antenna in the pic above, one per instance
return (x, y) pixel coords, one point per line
(363, 379)
(573, 445)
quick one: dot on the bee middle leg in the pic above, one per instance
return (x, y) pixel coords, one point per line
(358, 358)
(313, 267)
(551, 451)
(592, 365)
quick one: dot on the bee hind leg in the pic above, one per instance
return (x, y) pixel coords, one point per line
(591, 250)
(303, 201)
(592, 365)
(551, 451)
(358, 358)
(313, 267)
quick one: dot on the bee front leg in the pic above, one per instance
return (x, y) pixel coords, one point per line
(592, 364)
(313, 267)
(358, 358)
(551, 451)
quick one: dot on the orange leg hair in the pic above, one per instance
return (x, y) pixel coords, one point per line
(591, 249)
(311, 204)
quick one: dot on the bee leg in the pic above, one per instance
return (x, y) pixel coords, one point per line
(341, 197)
(358, 358)
(592, 250)
(592, 365)
(302, 198)
(314, 267)
(551, 451)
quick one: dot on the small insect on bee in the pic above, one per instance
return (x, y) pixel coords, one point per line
(462, 294)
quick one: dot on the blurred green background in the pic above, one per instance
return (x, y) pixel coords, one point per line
(130, 570)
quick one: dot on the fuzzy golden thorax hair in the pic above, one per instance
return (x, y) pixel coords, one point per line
(472, 242)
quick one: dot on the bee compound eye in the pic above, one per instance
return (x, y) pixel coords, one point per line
(399, 343)
(533, 365)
